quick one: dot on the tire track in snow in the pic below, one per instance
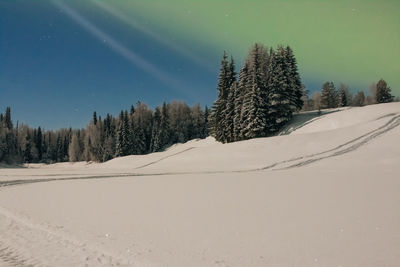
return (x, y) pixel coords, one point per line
(354, 145)
(29, 181)
(393, 120)
(163, 158)
(89, 176)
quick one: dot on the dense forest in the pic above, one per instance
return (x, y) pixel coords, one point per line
(137, 131)
(257, 102)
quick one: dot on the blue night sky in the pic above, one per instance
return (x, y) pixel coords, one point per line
(54, 73)
(62, 60)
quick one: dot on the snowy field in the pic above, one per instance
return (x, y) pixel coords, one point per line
(326, 194)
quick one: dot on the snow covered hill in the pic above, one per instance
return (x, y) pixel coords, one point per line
(324, 194)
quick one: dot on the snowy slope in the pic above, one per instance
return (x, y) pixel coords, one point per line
(324, 195)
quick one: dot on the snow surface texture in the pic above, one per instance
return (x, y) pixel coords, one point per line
(327, 194)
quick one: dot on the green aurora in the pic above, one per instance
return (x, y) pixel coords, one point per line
(353, 41)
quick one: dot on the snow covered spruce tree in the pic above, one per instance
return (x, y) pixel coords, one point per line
(198, 127)
(230, 103)
(160, 129)
(230, 113)
(283, 89)
(383, 94)
(123, 134)
(255, 104)
(155, 144)
(240, 93)
(206, 126)
(109, 138)
(165, 128)
(294, 81)
(343, 95)
(226, 77)
(329, 96)
(267, 93)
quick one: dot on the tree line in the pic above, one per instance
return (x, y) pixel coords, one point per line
(138, 131)
(256, 102)
(261, 100)
(330, 97)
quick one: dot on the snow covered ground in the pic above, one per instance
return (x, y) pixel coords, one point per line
(326, 194)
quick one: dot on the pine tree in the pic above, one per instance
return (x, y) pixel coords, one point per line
(230, 113)
(140, 145)
(7, 119)
(155, 136)
(143, 128)
(60, 149)
(132, 111)
(110, 136)
(39, 143)
(343, 95)
(94, 118)
(255, 102)
(328, 95)
(9, 141)
(383, 92)
(121, 136)
(231, 73)
(220, 104)
(198, 122)
(206, 122)
(294, 81)
(28, 149)
(164, 127)
(3, 143)
(238, 121)
(129, 138)
(65, 146)
(280, 93)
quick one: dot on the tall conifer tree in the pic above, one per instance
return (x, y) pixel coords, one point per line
(218, 118)
(294, 81)
(343, 95)
(329, 97)
(238, 121)
(279, 91)
(156, 129)
(255, 102)
(230, 113)
(383, 94)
